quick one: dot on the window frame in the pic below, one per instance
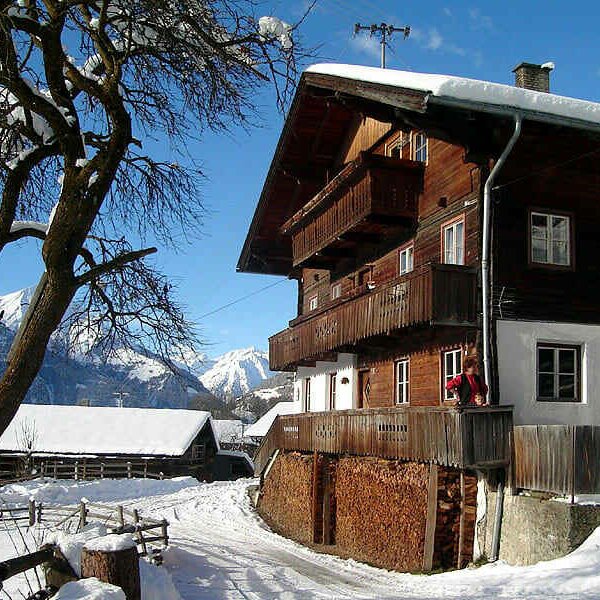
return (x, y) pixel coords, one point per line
(307, 394)
(457, 350)
(336, 286)
(332, 390)
(401, 251)
(397, 141)
(405, 363)
(447, 225)
(414, 148)
(314, 297)
(578, 373)
(548, 212)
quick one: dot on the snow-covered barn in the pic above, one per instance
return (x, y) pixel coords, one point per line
(92, 442)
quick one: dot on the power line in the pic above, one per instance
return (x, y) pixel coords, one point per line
(238, 300)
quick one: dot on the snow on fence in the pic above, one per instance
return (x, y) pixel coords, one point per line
(148, 533)
(82, 470)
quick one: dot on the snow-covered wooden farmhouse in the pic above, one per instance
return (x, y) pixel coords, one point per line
(427, 218)
(93, 442)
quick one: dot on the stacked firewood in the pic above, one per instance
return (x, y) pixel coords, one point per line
(381, 511)
(286, 496)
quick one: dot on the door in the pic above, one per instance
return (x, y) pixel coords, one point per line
(364, 388)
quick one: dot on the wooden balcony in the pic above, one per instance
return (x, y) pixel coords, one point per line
(371, 198)
(429, 295)
(466, 438)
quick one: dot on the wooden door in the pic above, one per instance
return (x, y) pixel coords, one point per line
(364, 388)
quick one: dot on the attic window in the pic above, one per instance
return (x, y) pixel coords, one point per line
(419, 147)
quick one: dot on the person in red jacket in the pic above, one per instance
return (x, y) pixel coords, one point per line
(468, 387)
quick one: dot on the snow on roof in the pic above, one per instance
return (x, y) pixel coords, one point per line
(261, 427)
(104, 430)
(228, 430)
(469, 90)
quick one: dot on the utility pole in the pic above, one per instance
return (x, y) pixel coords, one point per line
(385, 31)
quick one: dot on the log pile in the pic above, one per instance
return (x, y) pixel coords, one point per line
(453, 536)
(286, 497)
(381, 511)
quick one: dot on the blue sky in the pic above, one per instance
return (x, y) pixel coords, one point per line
(472, 39)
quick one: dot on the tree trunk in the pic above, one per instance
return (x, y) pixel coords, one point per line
(120, 567)
(29, 348)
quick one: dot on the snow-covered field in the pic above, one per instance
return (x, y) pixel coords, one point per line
(220, 549)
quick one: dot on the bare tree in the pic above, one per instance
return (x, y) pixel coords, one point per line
(86, 88)
(27, 439)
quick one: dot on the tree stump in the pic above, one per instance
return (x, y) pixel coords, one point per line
(116, 563)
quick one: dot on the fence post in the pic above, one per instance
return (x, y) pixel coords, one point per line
(31, 512)
(128, 470)
(39, 513)
(55, 470)
(165, 532)
(76, 471)
(145, 469)
(161, 475)
(82, 515)
(139, 534)
(101, 470)
(120, 516)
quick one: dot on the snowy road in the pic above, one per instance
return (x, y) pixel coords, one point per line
(222, 550)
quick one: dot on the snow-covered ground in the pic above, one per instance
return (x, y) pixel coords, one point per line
(220, 549)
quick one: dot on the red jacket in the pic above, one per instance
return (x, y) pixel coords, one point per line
(474, 384)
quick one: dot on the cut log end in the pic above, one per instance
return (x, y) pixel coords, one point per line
(119, 567)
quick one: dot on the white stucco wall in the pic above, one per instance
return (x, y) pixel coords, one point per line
(517, 341)
(345, 367)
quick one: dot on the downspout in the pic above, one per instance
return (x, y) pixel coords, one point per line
(486, 286)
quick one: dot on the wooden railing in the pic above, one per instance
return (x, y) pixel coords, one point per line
(560, 459)
(460, 437)
(370, 187)
(432, 294)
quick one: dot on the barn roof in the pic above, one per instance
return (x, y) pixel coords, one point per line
(261, 427)
(84, 430)
(329, 97)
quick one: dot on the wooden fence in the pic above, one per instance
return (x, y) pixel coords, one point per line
(560, 459)
(459, 437)
(93, 469)
(118, 519)
(444, 294)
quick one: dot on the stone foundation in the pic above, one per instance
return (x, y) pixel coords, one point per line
(535, 529)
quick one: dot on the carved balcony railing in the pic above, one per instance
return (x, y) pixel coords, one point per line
(429, 295)
(369, 198)
(467, 437)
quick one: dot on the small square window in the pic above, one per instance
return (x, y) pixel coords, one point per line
(406, 260)
(420, 147)
(336, 291)
(558, 373)
(550, 237)
(313, 303)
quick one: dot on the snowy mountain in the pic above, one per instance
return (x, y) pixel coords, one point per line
(136, 378)
(235, 373)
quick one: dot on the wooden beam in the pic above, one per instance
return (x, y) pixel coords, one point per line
(430, 524)
(461, 530)
(363, 237)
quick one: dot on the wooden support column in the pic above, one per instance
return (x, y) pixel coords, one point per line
(430, 525)
(119, 567)
(317, 499)
(461, 531)
(326, 501)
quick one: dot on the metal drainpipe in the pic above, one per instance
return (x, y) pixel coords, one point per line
(486, 285)
(485, 252)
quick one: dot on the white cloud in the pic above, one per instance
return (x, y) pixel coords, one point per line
(480, 21)
(366, 44)
(433, 40)
(447, 11)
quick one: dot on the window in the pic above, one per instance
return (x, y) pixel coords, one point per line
(419, 147)
(198, 451)
(336, 291)
(558, 373)
(453, 242)
(394, 148)
(307, 394)
(407, 259)
(332, 390)
(313, 303)
(550, 239)
(401, 374)
(452, 368)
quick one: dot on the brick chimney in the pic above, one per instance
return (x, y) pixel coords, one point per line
(533, 77)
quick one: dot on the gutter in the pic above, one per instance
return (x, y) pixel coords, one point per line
(486, 282)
